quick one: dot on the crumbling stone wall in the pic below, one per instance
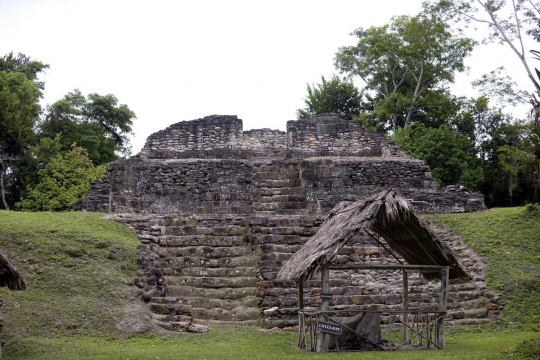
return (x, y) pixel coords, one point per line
(329, 135)
(98, 201)
(180, 186)
(219, 210)
(265, 142)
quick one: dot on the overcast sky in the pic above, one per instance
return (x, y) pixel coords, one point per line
(180, 60)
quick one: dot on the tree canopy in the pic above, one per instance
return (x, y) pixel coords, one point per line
(336, 95)
(403, 62)
(97, 123)
(20, 91)
(36, 146)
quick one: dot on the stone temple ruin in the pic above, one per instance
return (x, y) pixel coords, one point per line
(219, 210)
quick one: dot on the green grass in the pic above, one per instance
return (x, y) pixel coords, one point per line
(510, 239)
(251, 343)
(72, 286)
(73, 302)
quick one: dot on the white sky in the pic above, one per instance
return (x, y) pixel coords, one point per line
(180, 60)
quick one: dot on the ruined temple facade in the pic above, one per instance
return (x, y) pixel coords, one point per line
(218, 211)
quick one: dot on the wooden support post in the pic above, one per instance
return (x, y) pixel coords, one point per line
(321, 341)
(444, 298)
(301, 323)
(301, 293)
(405, 316)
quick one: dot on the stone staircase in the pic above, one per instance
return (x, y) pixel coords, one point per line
(211, 267)
(277, 187)
(208, 268)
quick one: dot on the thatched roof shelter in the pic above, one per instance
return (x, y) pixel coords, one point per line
(9, 275)
(386, 214)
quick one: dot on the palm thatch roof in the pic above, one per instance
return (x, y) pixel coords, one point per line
(386, 214)
(9, 275)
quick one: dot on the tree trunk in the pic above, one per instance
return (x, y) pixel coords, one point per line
(3, 169)
(416, 94)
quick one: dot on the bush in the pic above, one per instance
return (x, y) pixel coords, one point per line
(62, 181)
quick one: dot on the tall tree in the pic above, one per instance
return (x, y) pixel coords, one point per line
(97, 123)
(336, 95)
(507, 21)
(402, 62)
(20, 91)
(19, 110)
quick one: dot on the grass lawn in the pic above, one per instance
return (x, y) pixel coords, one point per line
(252, 343)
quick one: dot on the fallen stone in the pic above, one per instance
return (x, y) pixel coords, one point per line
(197, 329)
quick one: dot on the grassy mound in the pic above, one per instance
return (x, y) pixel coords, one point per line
(77, 268)
(510, 239)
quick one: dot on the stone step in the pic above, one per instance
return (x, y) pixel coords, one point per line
(211, 322)
(280, 239)
(171, 309)
(210, 252)
(236, 314)
(180, 326)
(164, 300)
(267, 183)
(281, 198)
(478, 303)
(289, 212)
(209, 303)
(470, 321)
(211, 272)
(276, 206)
(289, 249)
(280, 323)
(277, 174)
(223, 293)
(212, 282)
(205, 230)
(171, 317)
(205, 240)
(264, 191)
(195, 261)
(283, 230)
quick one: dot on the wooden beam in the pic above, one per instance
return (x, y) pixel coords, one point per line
(301, 293)
(405, 316)
(444, 298)
(424, 268)
(301, 324)
(384, 247)
(322, 344)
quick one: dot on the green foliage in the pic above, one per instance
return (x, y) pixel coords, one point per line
(98, 124)
(35, 159)
(529, 349)
(19, 110)
(447, 152)
(500, 88)
(337, 96)
(25, 65)
(66, 295)
(62, 181)
(402, 62)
